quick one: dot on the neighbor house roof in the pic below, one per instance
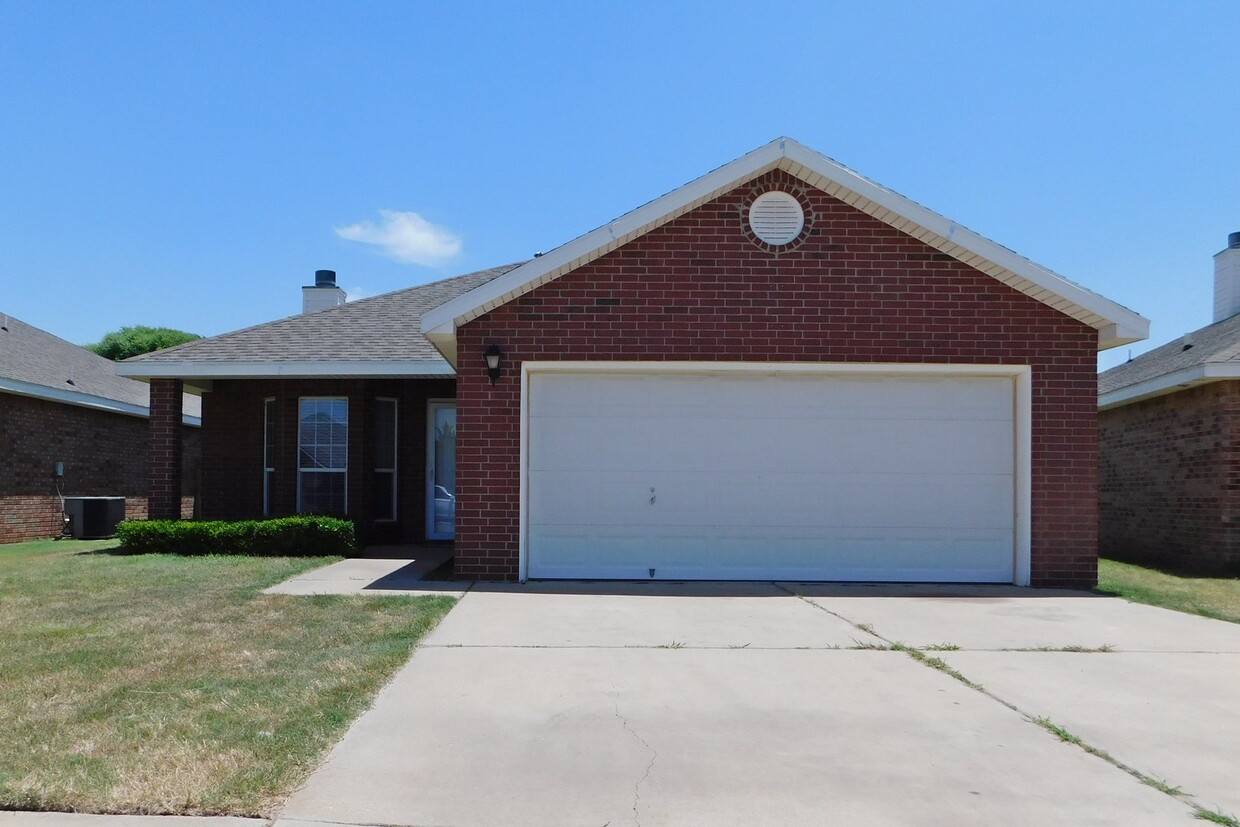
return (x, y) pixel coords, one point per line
(378, 336)
(1206, 355)
(35, 363)
(1116, 325)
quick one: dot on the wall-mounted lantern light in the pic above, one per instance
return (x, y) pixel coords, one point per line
(493, 356)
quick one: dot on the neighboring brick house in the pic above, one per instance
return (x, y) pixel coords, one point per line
(62, 403)
(780, 370)
(1170, 443)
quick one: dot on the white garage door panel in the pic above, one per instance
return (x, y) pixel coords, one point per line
(741, 500)
(924, 556)
(759, 445)
(770, 475)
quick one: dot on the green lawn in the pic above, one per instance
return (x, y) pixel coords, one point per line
(161, 684)
(1217, 597)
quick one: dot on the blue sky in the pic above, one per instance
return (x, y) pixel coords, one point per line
(190, 164)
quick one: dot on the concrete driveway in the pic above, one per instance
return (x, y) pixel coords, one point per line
(718, 704)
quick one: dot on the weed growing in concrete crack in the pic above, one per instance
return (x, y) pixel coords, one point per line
(865, 644)
(1058, 731)
(1063, 735)
(1076, 649)
(935, 663)
(1215, 817)
(941, 647)
(866, 627)
(675, 644)
(1160, 785)
(738, 646)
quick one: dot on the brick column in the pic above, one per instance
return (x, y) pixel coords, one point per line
(165, 449)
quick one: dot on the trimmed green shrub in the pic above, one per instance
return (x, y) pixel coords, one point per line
(282, 537)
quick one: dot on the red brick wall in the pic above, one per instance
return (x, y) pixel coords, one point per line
(165, 446)
(854, 290)
(232, 478)
(105, 454)
(1167, 488)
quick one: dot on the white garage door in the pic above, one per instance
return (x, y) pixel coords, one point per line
(739, 476)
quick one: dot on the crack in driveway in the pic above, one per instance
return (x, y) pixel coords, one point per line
(920, 656)
(654, 754)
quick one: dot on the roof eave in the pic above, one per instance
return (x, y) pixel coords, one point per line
(1117, 325)
(83, 400)
(1117, 335)
(1169, 383)
(598, 242)
(199, 374)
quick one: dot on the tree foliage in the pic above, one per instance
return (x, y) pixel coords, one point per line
(139, 339)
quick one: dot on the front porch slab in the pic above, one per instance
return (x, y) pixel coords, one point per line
(385, 575)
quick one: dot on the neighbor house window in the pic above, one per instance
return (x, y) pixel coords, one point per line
(269, 453)
(385, 459)
(322, 456)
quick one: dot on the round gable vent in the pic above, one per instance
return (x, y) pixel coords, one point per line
(776, 217)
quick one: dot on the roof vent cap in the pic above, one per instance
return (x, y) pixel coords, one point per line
(776, 217)
(1233, 241)
(324, 278)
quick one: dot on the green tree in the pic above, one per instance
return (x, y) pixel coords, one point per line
(139, 339)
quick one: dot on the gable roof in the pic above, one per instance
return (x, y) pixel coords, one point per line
(35, 363)
(1209, 354)
(1116, 325)
(377, 336)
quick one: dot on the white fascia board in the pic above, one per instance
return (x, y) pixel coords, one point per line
(1122, 325)
(1117, 324)
(83, 400)
(279, 370)
(445, 342)
(1115, 335)
(447, 316)
(1169, 383)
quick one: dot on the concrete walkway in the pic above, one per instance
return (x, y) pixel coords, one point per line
(399, 572)
(716, 704)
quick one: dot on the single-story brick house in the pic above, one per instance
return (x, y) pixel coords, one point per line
(60, 403)
(780, 370)
(1169, 427)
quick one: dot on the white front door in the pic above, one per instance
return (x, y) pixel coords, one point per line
(768, 475)
(441, 470)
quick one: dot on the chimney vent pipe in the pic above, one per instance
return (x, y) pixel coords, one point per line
(324, 294)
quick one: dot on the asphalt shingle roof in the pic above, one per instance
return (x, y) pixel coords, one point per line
(381, 328)
(1214, 344)
(36, 357)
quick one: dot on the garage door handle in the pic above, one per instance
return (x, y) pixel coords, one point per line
(652, 495)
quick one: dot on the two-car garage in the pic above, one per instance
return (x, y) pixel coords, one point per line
(744, 471)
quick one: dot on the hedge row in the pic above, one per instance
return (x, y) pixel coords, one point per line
(283, 537)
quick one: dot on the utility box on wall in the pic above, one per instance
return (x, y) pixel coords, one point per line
(94, 518)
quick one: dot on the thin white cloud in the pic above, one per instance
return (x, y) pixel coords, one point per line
(406, 237)
(355, 293)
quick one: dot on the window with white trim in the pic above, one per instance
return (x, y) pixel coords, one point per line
(322, 455)
(385, 460)
(269, 453)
